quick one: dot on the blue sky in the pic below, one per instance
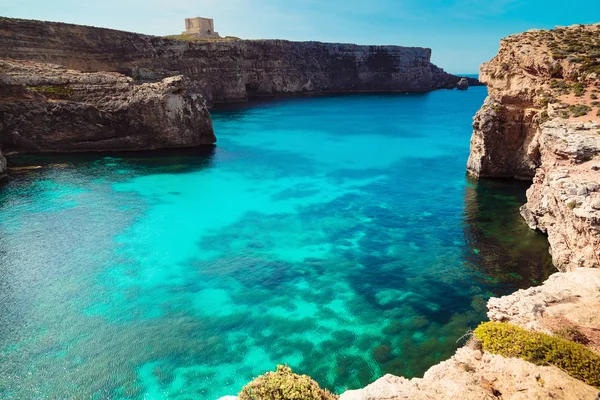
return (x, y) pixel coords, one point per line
(462, 33)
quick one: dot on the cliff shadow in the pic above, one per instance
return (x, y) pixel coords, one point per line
(499, 242)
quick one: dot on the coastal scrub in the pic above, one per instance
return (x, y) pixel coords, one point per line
(283, 384)
(541, 349)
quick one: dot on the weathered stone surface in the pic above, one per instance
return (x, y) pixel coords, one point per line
(574, 295)
(463, 84)
(497, 126)
(471, 374)
(227, 70)
(566, 190)
(47, 108)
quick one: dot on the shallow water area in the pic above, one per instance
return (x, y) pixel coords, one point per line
(338, 235)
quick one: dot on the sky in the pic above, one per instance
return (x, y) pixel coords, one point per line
(461, 33)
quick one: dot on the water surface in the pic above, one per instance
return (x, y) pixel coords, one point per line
(338, 235)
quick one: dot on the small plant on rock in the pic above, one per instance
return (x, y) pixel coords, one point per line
(283, 384)
(541, 349)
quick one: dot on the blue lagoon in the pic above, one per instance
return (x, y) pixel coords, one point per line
(338, 235)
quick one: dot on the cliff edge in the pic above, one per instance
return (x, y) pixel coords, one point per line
(226, 71)
(541, 121)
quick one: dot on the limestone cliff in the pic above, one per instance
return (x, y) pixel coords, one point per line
(47, 108)
(225, 71)
(541, 122)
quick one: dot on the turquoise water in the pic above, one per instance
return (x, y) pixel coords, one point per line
(338, 235)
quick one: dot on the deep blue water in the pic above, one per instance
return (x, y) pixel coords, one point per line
(339, 235)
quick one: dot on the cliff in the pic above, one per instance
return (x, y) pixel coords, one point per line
(541, 121)
(225, 71)
(47, 108)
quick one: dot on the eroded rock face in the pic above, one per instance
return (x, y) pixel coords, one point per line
(541, 121)
(564, 200)
(47, 108)
(225, 71)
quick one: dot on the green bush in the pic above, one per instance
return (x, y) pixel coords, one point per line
(59, 92)
(283, 384)
(579, 89)
(579, 110)
(541, 349)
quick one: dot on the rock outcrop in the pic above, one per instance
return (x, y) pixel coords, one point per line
(225, 71)
(541, 121)
(474, 375)
(47, 108)
(463, 84)
(574, 296)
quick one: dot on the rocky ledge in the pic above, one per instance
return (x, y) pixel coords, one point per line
(48, 108)
(541, 121)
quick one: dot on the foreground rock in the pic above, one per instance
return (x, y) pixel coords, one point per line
(572, 296)
(541, 121)
(225, 71)
(47, 108)
(471, 374)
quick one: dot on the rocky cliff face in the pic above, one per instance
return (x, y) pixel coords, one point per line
(541, 122)
(225, 71)
(47, 108)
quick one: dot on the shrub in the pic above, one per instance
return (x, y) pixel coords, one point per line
(579, 89)
(283, 384)
(55, 92)
(541, 349)
(579, 110)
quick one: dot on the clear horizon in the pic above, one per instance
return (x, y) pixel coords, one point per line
(461, 33)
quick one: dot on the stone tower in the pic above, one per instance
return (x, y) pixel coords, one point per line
(200, 28)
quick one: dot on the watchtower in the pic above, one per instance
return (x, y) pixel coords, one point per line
(200, 27)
